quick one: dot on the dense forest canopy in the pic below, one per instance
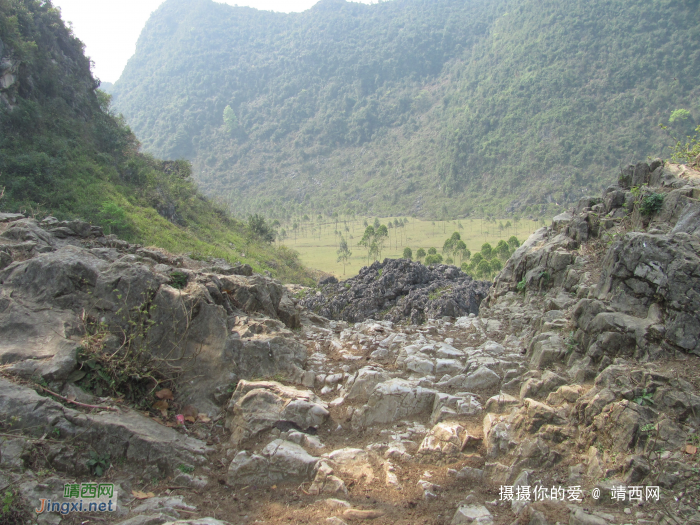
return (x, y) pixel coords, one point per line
(429, 107)
(63, 151)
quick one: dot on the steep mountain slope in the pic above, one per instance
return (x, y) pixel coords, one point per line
(63, 152)
(429, 107)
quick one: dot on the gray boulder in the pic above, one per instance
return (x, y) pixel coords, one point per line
(280, 462)
(142, 443)
(256, 407)
(394, 400)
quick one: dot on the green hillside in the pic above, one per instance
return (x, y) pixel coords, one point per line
(430, 107)
(64, 152)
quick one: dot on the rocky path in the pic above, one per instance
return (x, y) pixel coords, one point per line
(573, 397)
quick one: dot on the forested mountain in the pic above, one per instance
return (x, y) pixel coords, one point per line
(429, 107)
(64, 152)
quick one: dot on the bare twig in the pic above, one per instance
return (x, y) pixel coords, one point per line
(77, 403)
(29, 438)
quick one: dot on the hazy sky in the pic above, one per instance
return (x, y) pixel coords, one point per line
(109, 29)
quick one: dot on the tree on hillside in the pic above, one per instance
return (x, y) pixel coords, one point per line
(344, 253)
(486, 250)
(420, 253)
(407, 253)
(432, 251)
(513, 242)
(112, 216)
(230, 119)
(260, 228)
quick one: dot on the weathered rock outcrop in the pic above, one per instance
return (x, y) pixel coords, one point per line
(400, 290)
(187, 319)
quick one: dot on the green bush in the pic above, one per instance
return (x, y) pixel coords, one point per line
(433, 258)
(651, 204)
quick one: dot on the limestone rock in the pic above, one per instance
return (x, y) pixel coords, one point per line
(642, 269)
(444, 438)
(280, 462)
(393, 400)
(351, 464)
(364, 382)
(143, 443)
(259, 406)
(401, 290)
(446, 407)
(472, 514)
(325, 482)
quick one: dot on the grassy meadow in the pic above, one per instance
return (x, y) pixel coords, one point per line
(317, 242)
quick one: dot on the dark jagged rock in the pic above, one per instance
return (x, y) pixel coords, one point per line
(400, 290)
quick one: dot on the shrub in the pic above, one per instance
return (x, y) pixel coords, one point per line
(260, 228)
(651, 204)
(433, 258)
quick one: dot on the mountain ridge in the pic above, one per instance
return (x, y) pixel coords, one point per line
(64, 152)
(410, 107)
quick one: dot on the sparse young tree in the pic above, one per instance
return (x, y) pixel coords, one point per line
(420, 253)
(281, 236)
(432, 251)
(344, 253)
(407, 253)
(450, 244)
(502, 250)
(460, 250)
(381, 235)
(368, 241)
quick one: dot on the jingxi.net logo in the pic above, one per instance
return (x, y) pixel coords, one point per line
(83, 497)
